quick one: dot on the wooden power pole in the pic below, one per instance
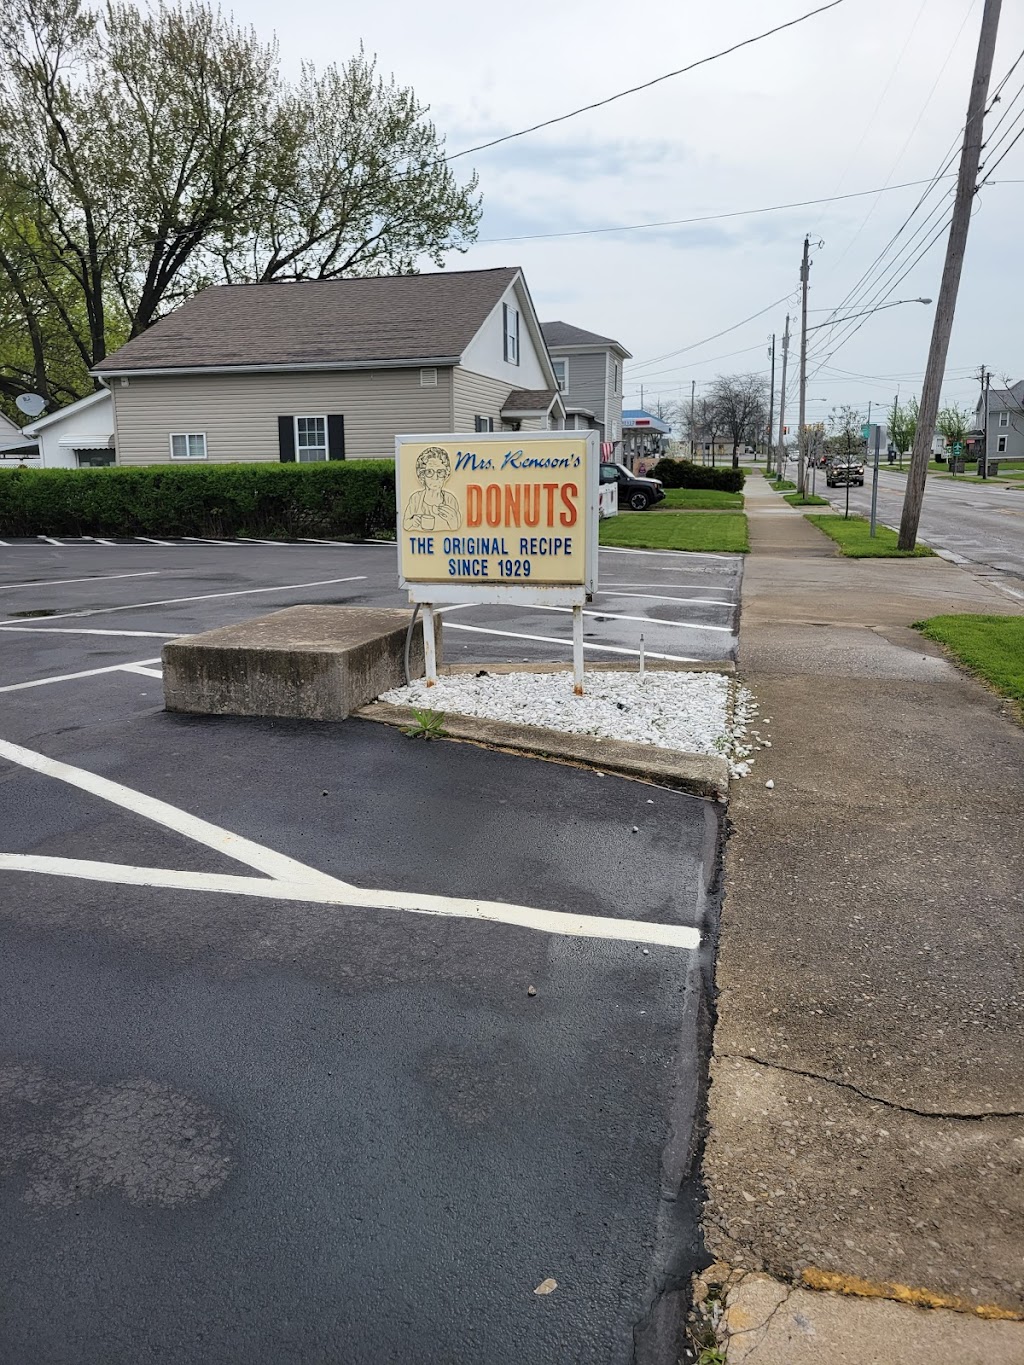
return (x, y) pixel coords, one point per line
(771, 410)
(970, 156)
(801, 449)
(780, 459)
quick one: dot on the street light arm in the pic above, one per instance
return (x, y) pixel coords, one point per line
(834, 322)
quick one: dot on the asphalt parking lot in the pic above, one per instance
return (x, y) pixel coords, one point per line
(275, 1087)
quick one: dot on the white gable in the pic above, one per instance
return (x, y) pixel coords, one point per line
(485, 354)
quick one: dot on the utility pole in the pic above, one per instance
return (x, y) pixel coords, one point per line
(780, 462)
(966, 185)
(805, 271)
(986, 379)
(771, 411)
(693, 390)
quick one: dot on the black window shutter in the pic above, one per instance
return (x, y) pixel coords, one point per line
(286, 438)
(478, 424)
(335, 437)
(517, 337)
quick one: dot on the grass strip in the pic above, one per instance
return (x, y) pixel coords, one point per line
(697, 499)
(781, 485)
(993, 646)
(811, 500)
(725, 533)
(854, 538)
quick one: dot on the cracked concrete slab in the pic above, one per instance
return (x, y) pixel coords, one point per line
(802, 1174)
(772, 1324)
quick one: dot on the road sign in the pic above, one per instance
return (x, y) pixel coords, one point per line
(958, 448)
(865, 430)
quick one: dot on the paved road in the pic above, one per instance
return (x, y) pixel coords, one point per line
(979, 526)
(253, 1110)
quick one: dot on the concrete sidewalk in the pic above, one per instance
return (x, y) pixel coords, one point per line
(867, 1095)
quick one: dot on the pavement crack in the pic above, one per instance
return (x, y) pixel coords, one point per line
(958, 1116)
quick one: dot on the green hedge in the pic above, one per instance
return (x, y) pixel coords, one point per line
(346, 499)
(685, 474)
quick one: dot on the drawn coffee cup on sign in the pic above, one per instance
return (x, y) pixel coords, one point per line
(432, 505)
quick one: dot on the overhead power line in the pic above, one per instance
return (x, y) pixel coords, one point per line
(641, 364)
(704, 217)
(634, 89)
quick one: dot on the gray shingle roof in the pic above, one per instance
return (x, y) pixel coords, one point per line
(565, 334)
(387, 318)
(529, 400)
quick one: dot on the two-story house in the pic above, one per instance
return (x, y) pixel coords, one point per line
(1004, 439)
(332, 369)
(588, 368)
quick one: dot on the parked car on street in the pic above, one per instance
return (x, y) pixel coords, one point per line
(634, 492)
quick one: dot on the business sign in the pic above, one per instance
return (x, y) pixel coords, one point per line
(498, 516)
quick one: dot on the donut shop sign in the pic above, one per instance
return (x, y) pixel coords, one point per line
(498, 518)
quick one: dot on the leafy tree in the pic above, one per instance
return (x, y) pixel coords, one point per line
(954, 422)
(844, 438)
(741, 402)
(145, 154)
(903, 425)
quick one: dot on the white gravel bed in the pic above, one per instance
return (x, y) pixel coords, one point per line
(696, 713)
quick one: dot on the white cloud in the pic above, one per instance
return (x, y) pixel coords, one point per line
(871, 91)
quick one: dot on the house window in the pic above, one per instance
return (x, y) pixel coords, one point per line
(511, 321)
(188, 445)
(615, 377)
(310, 439)
(561, 369)
(1004, 419)
(428, 377)
(94, 458)
(1001, 445)
(483, 423)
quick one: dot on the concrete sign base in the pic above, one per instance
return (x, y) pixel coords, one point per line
(312, 663)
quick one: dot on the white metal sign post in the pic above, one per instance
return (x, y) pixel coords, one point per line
(498, 518)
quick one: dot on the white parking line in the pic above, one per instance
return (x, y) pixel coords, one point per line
(567, 644)
(141, 668)
(84, 630)
(50, 540)
(98, 540)
(649, 620)
(671, 554)
(199, 597)
(263, 860)
(206, 540)
(68, 677)
(92, 578)
(653, 597)
(287, 879)
(151, 541)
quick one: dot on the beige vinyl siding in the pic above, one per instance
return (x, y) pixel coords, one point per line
(477, 395)
(239, 412)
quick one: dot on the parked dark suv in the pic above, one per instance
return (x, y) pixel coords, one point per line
(634, 492)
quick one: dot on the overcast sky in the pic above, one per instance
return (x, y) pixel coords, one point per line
(873, 92)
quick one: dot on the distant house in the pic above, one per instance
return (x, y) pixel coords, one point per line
(332, 369)
(588, 368)
(80, 436)
(15, 448)
(644, 436)
(1004, 439)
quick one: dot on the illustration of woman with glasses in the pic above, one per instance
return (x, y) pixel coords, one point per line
(432, 507)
